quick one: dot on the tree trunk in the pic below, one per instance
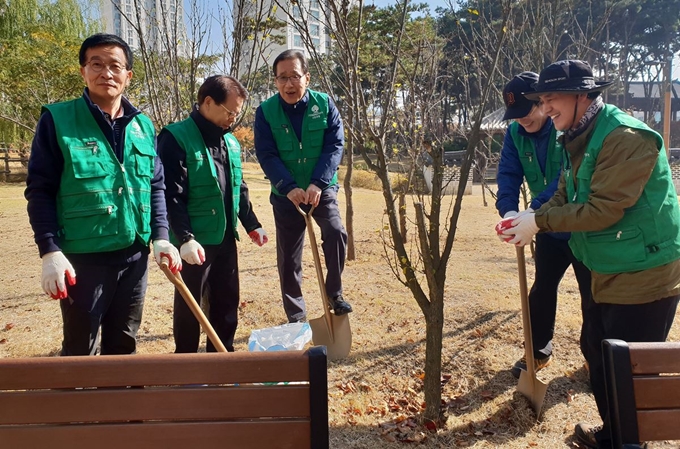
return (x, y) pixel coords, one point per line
(349, 211)
(434, 323)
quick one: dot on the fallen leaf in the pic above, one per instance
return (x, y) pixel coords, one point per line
(8, 326)
(4, 340)
(486, 394)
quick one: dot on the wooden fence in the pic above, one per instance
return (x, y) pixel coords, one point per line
(13, 161)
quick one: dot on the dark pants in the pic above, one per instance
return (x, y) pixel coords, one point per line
(632, 323)
(290, 237)
(110, 296)
(218, 278)
(553, 257)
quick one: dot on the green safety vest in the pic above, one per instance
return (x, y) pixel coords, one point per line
(206, 202)
(102, 205)
(526, 150)
(648, 235)
(299, 158)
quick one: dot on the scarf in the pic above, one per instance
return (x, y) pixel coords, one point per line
(588, 117)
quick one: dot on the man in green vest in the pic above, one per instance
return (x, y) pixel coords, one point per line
(95, 201)
(206, 197)
(530, 153)
(617, 198)
(299, 142)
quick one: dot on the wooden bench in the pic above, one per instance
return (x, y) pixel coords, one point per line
(220, 400)
(643, 391)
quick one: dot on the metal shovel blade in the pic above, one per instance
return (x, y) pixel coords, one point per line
(534, 389)
(337, 338)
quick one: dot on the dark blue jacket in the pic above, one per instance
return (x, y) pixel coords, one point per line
(268, 154)
(511, 174)
(45, 167)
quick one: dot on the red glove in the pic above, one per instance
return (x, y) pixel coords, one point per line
(501, 226)
(258, 236)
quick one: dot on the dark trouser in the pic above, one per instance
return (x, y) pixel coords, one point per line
(632, 323)
(553, 257)
(218, 277)
(110, 296)
(290, 237)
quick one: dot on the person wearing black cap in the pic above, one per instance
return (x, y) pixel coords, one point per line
(617, 197)
(530, 152)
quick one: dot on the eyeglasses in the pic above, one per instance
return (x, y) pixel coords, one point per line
(98, 66)
(233, 115)
(295, 79)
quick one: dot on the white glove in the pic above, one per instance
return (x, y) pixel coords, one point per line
(258, 236)
(56, 267)
(510, 214)
(523, 229)
(162, 248)
(192, 252)
(528, 210)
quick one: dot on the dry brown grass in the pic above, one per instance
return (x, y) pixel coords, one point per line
(379, 382)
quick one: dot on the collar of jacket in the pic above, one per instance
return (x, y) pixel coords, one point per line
(209, 130)
(129, 111)
(298, 107)
(579, 143)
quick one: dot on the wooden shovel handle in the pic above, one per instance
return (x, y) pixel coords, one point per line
(319, 270)
(183, 290)
(526, 312)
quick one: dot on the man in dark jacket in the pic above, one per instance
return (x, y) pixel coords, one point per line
(616, 196)
(206, 195)
(531, 152)
(299, 143)
(95, 200)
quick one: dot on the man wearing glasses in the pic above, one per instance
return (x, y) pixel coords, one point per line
(299, 143)
(206, 197)
(530, 152)
(95, 200)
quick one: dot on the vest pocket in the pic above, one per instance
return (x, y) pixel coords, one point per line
(203, 220)
(87, 168)
(90, 222)
(616, 246)
(143, 161)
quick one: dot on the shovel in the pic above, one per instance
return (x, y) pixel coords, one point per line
(529, 385)
(330, 330)
(183, 290)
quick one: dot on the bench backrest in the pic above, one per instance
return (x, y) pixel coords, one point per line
(643, 391)
(217, 400)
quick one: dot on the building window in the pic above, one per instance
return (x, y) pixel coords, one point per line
(297, 13)
(314, 4)
(297, 40)
(314, 30)
(130, 37)
(316, 42)
(314, 13)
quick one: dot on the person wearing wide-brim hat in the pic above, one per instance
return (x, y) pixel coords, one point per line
(616, 196)
(530, 153)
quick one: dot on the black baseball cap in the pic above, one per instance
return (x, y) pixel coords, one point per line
(516, 104)
(570, 76)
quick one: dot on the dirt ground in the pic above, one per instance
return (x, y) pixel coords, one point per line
(377, 389)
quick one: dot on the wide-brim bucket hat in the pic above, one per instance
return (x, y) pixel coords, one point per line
(516, 104)
(570, 76)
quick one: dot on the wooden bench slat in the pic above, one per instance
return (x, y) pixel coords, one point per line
(650, 358)
(655, 425)
(149, 370)
(288, 434)
(657, 392)
(180, 403)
